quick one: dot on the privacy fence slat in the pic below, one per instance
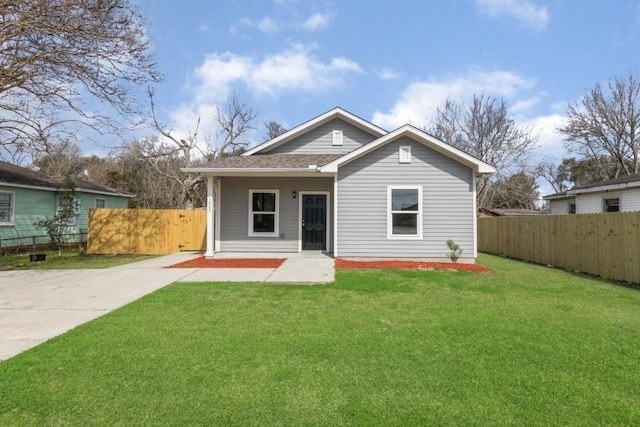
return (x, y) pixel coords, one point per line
(145, 231)
(606, 245)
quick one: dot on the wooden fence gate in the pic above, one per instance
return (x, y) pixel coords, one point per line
(146, 231)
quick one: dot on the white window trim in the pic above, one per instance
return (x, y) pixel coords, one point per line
(276, 226)
(11, 220)
(95, 202)
(404, 154)
(390, 234)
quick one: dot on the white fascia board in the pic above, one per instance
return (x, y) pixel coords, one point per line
(478, 166)
(559, 196)
(305, 127)
(599, 189)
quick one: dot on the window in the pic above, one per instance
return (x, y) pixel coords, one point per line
(263, 212)
(404, 154)
(100, 203)
(572, 208)
(612, 205)
(73, 209)
(404, 212)
(336, 137)
(6, 207)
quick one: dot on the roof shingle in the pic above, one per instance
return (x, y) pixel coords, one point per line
(272, 161)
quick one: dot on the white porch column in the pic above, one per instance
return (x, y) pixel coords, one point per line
(211, 212)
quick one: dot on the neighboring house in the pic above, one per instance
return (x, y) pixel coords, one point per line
(342, 185)
(615, 195)
(27, 196)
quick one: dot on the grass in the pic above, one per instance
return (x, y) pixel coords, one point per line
(527, 345)
(70, 259)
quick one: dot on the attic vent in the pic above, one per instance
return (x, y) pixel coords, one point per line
(404, 154)
(337, 137)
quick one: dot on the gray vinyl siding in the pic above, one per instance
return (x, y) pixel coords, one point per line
(320, 140)
(447, 205)
(234, 213)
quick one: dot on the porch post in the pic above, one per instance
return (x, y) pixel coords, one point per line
(210, 216)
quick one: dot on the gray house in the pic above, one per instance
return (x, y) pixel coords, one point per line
(342, 185)
(620, 194)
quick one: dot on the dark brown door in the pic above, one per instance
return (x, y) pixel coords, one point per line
(314, 222)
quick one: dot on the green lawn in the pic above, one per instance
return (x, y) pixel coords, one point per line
(527, 345)
(70, 259)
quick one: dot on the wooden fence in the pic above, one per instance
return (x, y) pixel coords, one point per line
(606, 245)
(145, 231)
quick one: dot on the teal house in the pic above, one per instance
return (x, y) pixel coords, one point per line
(27, 196)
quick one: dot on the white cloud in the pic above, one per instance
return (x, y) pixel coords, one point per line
(293, 69)
(266, 24)
(388, 74)
(419, 102)
(317, 21)
(525, 11)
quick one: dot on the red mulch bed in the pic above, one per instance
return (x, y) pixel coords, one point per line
(202, 262)
(410, 265)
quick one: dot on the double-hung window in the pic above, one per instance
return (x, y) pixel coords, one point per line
(6, 207)
(404, 212)
(263, 212)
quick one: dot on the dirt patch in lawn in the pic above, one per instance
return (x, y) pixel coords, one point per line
(202, 262)
(410, 265)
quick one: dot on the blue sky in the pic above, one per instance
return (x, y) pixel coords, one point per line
(391, 62)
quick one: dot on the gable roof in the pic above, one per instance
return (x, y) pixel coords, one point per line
(16, 176)
(479, 167)
(336, 113)
(619, 183)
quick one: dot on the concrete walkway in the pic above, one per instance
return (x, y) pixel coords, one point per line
(38, 305)
(306, 267)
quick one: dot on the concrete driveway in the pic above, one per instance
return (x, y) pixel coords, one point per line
(38, 305)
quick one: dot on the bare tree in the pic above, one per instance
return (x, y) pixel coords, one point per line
(517, 191)
(274, 129)
(606, 123)
(63, 59)
(233, 121)
(576, 173)
(485, 130)
(60, 160)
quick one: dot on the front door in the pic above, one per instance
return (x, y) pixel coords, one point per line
(314, 222)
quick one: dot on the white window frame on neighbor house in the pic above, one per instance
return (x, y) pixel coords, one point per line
(12, 209)
(103, 200)
(391, 212)
(275, 213)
